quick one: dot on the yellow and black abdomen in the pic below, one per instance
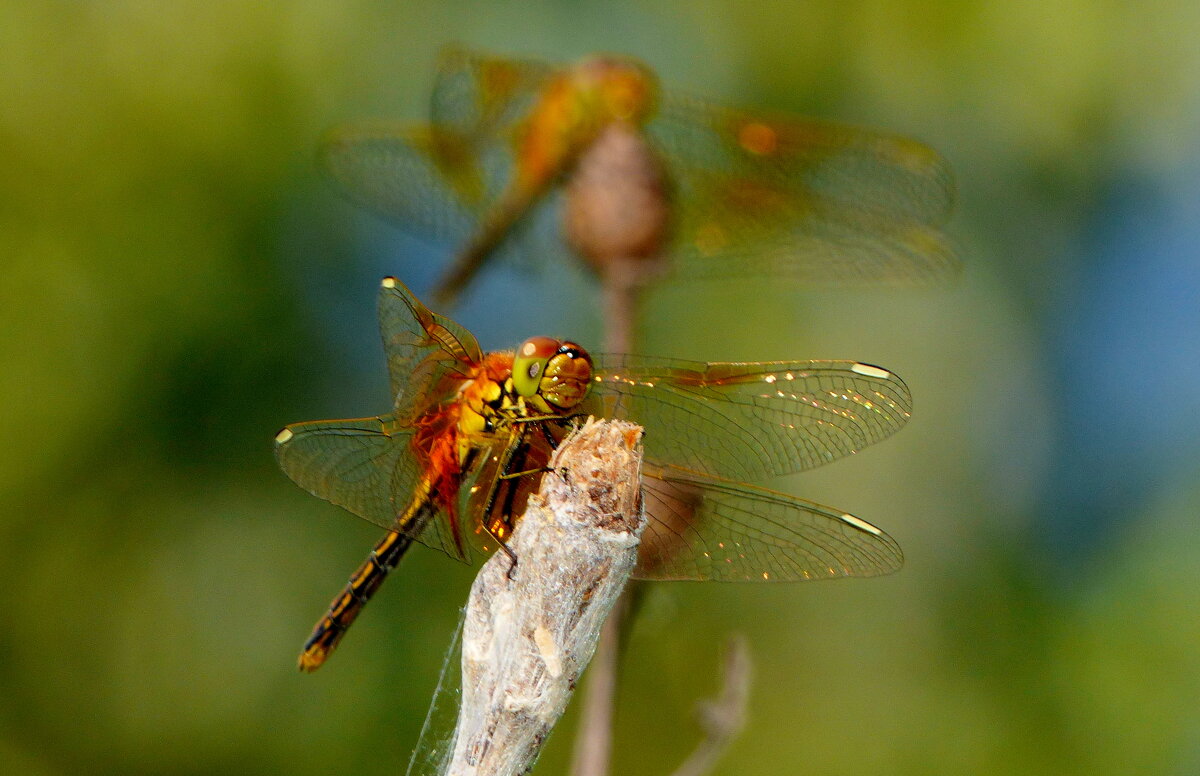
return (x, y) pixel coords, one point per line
(346, 606)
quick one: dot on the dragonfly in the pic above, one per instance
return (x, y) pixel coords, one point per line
(632, 176)
(469, 435)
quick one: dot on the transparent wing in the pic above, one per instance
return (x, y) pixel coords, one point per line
(441, 177)
(482, 96)
(750, 421)
(808, 200)
(428, 178)
(366, 466)
(421, 347)
(442, 186)
(703, 528)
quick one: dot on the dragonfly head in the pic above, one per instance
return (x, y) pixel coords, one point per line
(553, 374)
(620, 88)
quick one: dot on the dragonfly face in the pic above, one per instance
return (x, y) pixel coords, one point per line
(743, 193)
(438, 467)
(620, 88)
(554, 375)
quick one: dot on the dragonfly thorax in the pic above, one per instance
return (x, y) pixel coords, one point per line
(574, 108)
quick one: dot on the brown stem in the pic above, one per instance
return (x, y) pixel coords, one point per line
(621, 290)
(593, 742)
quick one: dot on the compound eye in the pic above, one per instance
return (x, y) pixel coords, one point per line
(529, 362)
(568, 375)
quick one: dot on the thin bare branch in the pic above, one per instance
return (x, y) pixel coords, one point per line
(723, 717)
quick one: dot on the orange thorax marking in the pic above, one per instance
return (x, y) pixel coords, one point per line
(550, 134)
(448, 431)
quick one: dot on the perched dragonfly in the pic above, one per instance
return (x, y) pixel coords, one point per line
(641, 174)
(469, 432)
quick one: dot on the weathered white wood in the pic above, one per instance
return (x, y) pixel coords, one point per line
(528, 635)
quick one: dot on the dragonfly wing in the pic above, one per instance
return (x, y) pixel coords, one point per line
(482, 96)
(703, 528)
(421, 346)
(488, 100)
(803, 199)
(424, 178)
(750, 421)
(366, 466)
(440, 178)
(445, 188)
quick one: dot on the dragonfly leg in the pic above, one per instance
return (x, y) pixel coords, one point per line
(544, 428)
(507, 551)
(525, 473)
(542, 419)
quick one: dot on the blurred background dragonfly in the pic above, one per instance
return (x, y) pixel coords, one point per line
(635, 180)
(178, 278)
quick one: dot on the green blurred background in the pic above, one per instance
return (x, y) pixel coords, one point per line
(181, 283)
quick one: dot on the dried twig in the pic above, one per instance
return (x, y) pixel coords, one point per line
(529, 631)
